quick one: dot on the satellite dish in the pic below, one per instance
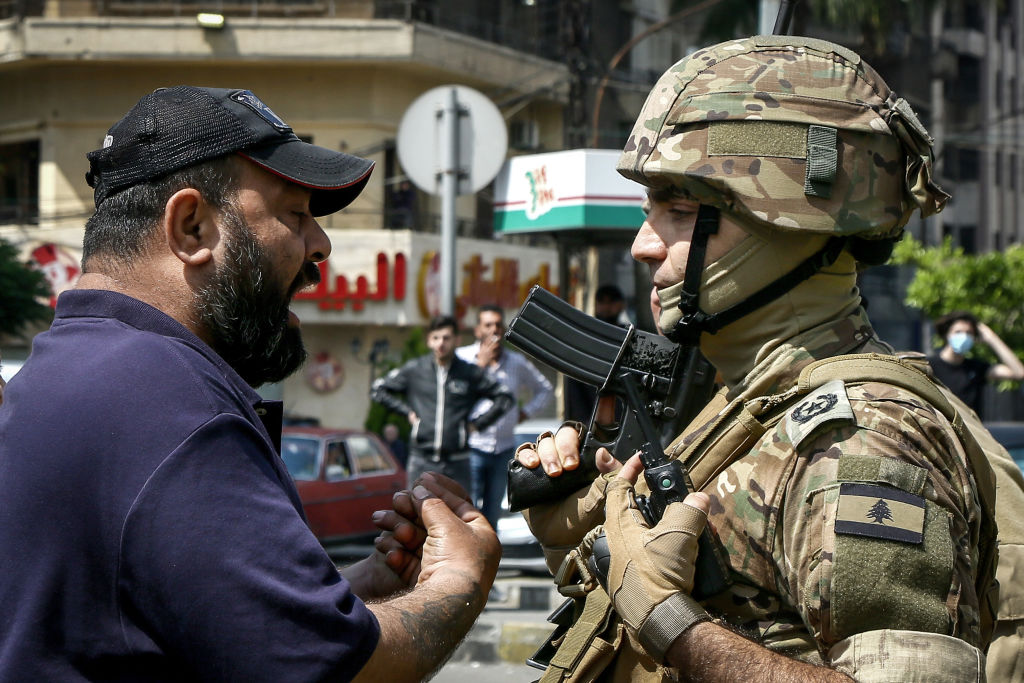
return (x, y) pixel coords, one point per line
(423, 139)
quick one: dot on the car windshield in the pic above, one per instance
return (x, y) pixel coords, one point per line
(299, 455)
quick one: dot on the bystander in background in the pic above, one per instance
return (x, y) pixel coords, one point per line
(491, 449)
(609, 305)
(396, 443)
(966, 377)
(437, 392)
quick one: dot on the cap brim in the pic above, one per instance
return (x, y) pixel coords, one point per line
(336, 178)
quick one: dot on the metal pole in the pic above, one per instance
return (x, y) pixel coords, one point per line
(449, 188)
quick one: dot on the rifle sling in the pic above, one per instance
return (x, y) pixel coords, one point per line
(593, 621)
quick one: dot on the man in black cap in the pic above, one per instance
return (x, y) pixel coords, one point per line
(150, 530)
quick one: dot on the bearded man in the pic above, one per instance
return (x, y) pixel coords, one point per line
(151, 531)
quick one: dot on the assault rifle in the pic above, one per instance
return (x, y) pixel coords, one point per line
(663, 386)
(672, 384)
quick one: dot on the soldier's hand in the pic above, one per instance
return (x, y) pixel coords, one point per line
(562, 525)
(561, 451)
(650, 574)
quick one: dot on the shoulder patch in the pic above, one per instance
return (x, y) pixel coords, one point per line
(828, 403)
(880, 512)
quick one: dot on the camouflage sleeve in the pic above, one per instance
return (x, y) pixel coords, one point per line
(888, 655)
(877, 528)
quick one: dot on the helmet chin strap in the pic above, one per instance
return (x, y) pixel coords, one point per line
(687, 330)
(694, 321)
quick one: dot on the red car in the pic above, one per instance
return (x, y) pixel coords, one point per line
(343, 476)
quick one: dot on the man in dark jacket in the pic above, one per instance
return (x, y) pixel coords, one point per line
(437, 392)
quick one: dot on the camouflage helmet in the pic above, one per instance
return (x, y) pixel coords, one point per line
(786, 133)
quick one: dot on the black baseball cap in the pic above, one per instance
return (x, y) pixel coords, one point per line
(173, 128)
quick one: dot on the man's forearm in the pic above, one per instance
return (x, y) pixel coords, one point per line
(502, 403)
(709, 652)
(1006, 356)
(420, 629)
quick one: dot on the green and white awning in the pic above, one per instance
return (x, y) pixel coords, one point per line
(565, 191)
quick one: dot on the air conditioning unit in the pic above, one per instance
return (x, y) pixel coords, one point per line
(524, 134)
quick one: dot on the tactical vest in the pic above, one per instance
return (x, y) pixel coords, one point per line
(729, 430)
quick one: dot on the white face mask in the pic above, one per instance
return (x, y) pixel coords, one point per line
(961, 342)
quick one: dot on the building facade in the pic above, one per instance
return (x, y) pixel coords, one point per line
(341, 73)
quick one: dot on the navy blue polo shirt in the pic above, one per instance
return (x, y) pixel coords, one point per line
(148, 528)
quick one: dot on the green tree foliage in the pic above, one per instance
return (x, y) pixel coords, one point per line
(21, 288)
(991, 286)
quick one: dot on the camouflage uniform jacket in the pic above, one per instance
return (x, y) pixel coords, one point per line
(851, 525)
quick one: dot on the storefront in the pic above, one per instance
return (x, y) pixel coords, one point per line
(377, 288)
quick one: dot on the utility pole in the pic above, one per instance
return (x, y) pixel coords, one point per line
(576, 39)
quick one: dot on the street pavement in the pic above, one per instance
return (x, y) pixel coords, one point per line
(510, 629)
(477, 672)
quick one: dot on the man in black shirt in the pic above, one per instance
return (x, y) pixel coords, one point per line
(967, 377)
(609, 303)
(437, 392)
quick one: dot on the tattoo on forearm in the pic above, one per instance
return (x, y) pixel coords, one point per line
(441, 624)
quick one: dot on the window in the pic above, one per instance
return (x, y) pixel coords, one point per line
(401, 198)
(368, 457)
(19, 182)
(967, 239)
(967, 89)
(300, 457)
(969, 164)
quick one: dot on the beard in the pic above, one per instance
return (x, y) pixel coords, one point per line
(245, 315)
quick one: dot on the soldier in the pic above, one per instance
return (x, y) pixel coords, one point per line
(853, 507)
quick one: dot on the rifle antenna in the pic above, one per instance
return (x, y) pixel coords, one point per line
(784, 18)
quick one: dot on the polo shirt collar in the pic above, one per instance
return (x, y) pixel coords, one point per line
(101, 303)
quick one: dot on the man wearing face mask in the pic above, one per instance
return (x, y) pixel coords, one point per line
(853, 510)
(967, 377)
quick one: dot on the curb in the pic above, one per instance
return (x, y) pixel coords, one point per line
(513, 625)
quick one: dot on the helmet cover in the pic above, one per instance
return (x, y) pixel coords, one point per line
(786, 133)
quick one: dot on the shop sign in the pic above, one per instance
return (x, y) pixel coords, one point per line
(500, 286)
(336, 293)
(403, 287)
(572, 190)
